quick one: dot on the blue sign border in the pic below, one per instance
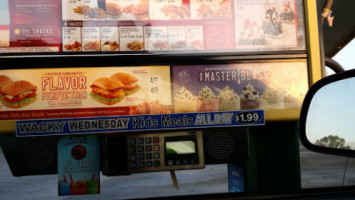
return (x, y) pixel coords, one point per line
(70, 126)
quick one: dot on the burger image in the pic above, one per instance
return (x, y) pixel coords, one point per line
(3, 81)
(18, 94)
(113, 9)
(140, 11)
(107, 91)
(129, 82)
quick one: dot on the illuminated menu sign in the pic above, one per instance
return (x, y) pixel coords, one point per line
(126, 26)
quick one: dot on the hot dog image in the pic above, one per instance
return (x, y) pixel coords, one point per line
(108, 91)
(18, 94)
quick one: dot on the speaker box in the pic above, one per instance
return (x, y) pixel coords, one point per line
(30, 156)
(226, 145)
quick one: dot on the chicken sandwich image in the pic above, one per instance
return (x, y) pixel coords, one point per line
(129, 81)
(18, 94)
(107, 91)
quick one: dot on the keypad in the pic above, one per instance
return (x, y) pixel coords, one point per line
(144, 153)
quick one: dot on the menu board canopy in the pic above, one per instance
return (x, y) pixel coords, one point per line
(62, 27)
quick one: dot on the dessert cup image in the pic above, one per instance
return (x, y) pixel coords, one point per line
(94, 186)
(79, 187)
(294, 96)
(64, 188)
(228, 99)
(206, 100)
(250, 98)
(184, 101)
(272, 99)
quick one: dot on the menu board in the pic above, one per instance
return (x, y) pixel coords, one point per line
(244, 86)
(85, 92)
(118, 91)
(174, 26)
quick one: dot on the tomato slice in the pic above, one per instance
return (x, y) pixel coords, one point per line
(12, 100)
(107, 96)
(21, 99)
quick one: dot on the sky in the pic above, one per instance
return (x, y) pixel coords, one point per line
(4, 12)
(346, 57)
(327, 118)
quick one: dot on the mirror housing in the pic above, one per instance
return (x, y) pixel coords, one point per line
(327, 120)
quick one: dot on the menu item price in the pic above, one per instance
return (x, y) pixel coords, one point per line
(247, 117)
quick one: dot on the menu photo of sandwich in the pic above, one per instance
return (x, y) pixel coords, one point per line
(111, 90)
(106, 90)
(129, 82)
(16, 94)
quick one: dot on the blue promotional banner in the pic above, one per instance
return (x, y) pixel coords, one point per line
(139, 123)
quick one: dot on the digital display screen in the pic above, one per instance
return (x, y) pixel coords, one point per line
(180, 147)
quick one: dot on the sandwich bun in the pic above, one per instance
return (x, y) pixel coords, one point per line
(18, 94)
(124, 78)
(4, 80)
(108, 83)
(17, 87)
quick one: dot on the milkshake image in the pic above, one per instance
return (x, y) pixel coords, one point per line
(206, 101)
(272, 99)
(250, 98)
(228, 99)
(184, 101)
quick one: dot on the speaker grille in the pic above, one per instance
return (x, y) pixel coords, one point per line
(40, 154)
(220, 146)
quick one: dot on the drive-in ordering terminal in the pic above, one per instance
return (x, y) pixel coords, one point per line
(165, 151)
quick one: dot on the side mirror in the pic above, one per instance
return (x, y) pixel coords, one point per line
(327, 121)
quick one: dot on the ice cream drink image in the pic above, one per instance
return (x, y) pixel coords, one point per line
(184, 101)
(272, 99)
(250, 98)
(206, 101)
(228, 99)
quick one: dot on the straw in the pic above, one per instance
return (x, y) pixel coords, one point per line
(65, 180)
(71, 178)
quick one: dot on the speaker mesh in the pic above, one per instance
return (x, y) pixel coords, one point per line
(40, 154)
(220, 146)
